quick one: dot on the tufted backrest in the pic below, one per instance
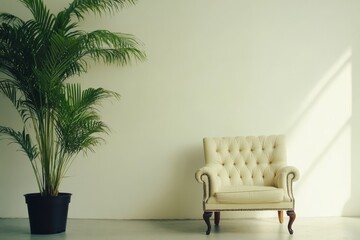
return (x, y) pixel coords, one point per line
(246, 160)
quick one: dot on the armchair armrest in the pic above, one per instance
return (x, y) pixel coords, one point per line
(284, 179)
(208, 176)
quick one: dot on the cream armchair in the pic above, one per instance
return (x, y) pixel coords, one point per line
(247, 173)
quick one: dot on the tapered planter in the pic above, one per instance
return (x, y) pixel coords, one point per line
(47, 215)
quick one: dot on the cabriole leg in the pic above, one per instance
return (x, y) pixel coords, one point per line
(292, 216)
(206, 217)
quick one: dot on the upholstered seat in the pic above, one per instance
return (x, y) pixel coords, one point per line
(249, 194)
(247, 173)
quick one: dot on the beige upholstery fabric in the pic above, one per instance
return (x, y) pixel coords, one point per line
(249, 194)
(247, 173)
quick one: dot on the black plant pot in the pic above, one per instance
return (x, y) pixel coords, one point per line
(47, 215)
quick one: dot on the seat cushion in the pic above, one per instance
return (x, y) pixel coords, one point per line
(250, 194)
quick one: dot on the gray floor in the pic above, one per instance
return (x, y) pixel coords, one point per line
(254, 229)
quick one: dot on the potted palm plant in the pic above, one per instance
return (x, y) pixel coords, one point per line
(60, 119)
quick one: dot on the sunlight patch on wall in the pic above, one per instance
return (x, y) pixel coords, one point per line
(320, 143)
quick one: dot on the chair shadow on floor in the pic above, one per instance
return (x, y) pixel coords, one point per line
(243, 227)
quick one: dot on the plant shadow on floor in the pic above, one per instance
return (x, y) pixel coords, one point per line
(11, 226)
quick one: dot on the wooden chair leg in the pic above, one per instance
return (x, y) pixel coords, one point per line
(292, 216)
(206, 217)
(281, 216)
(217, 218)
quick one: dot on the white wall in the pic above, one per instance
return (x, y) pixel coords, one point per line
(214, 68)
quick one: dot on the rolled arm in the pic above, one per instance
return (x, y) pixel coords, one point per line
(208, 177)
(284, 179)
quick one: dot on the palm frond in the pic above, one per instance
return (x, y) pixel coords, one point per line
(22, 139)
(9, 44)
(78, 122)
(10, 19)
(113, 47)
(79, 8)
(11, 92)
(39, 12)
